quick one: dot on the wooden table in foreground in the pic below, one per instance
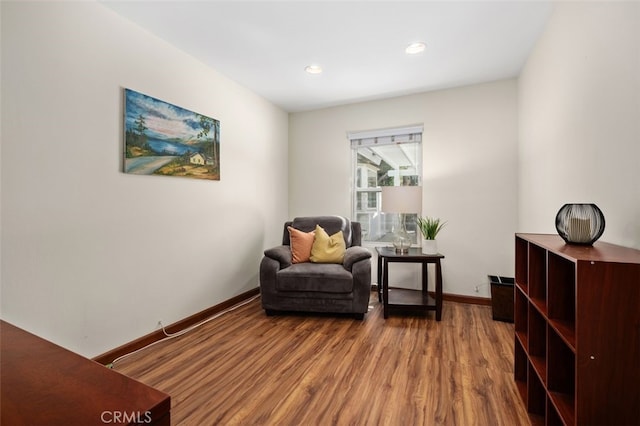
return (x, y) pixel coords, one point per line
(405, 299)
(44, 384)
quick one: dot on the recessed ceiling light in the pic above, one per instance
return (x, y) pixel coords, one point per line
(313, 69)
(415, 48)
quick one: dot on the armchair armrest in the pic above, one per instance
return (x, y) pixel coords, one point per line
(355, 254)
(280, 253)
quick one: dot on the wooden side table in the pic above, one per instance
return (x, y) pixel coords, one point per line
(406, 299)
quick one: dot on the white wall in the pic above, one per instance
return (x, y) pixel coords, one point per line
(579, 100)
(469, 179)
(91, 257)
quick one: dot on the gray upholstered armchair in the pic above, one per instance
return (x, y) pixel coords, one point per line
(317, 287)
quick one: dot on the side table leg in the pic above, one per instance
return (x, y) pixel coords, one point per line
(425, 277)
(379, 279)
(438, 291)
(385, 288)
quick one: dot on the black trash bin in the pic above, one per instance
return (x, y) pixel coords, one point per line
(502, 298)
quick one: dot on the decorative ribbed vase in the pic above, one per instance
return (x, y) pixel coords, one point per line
(580, 223)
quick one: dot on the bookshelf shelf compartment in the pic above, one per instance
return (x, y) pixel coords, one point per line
(536, 396)
(561, 377)
(521, 368)
(538, 342)
(521, 320)
(575, 310)
(537, 275)
(522, 263)
(562, 295)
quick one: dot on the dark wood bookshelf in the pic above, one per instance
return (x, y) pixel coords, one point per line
(576, 311)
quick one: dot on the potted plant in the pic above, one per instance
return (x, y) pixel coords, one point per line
(430, 227)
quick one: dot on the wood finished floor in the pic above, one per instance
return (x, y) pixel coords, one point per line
(245, 368)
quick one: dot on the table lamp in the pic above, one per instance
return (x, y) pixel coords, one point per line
(401, 200)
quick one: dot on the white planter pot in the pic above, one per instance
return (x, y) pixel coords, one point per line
(429, 247)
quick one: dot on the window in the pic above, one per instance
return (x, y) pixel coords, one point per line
(387, 157)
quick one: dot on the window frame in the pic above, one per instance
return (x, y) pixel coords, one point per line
(375, 139)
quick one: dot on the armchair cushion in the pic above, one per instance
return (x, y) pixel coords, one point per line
(327, 249)
(312, 277)
(355, 254)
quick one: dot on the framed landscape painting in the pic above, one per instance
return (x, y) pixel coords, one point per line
(166, 140)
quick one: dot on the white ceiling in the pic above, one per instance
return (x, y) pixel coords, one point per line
(265, 45)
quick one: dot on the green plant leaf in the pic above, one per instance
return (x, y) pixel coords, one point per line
(430, 227)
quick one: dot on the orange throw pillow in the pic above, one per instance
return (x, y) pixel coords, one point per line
(301, 243)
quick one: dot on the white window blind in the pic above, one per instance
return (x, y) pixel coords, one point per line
(386, 136)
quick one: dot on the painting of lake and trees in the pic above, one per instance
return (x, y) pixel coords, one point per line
(164, 139)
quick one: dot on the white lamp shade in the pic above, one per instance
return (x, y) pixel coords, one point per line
(401, 199)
